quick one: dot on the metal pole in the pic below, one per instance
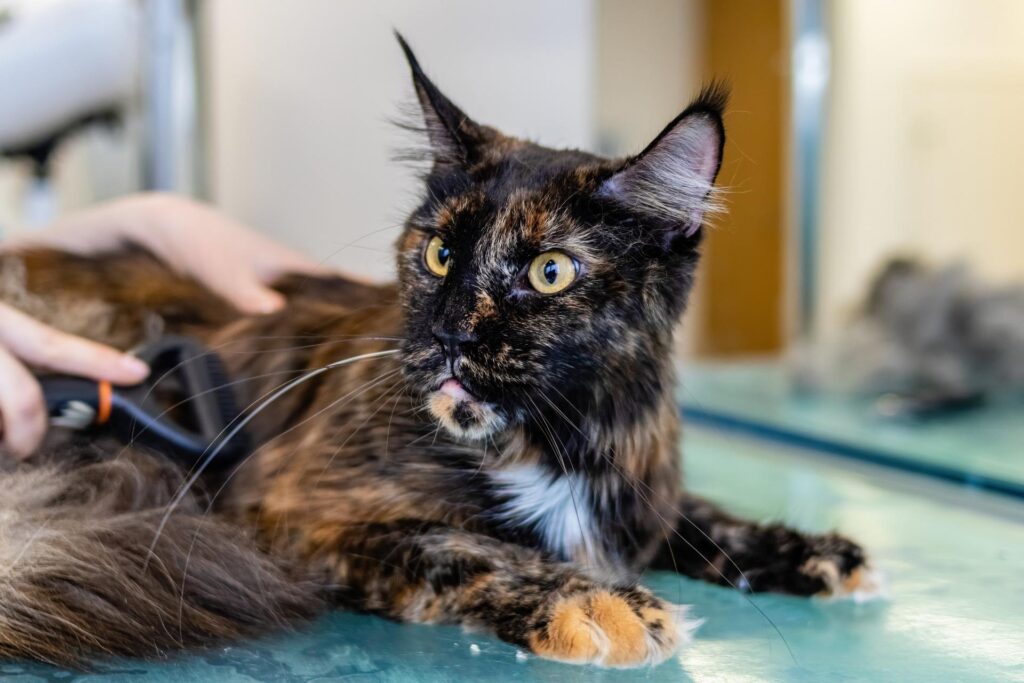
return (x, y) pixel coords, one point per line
(811, 73)
(172, 154)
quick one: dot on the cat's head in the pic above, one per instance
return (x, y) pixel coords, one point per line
(533, 277)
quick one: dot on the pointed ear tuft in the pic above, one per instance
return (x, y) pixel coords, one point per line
(672, 180)
(452, 135)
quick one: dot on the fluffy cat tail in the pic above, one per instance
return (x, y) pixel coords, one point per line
(81, 576)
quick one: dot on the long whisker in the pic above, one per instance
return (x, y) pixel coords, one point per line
(634, 482)
(666, 524)
(226, 385)
(221, 442)
(358, 427)
(209, 506)
(307, 278)
(551, 437)
(340, 401)
(387, 434)
(221, 349)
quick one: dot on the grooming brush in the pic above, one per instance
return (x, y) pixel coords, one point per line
(181, 410)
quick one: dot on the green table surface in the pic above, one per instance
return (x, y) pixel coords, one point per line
(954, 557)
(985, 444)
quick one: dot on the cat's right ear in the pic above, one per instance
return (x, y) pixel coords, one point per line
(454, 137)
(671, 183)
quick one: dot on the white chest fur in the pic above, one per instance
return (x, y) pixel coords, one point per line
(557, 508)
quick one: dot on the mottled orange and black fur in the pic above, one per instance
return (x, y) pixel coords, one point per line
(526, 506)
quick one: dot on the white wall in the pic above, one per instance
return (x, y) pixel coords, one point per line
(925, 147)
(302, 91)
(650, 57)
(649, 66)
(299, 94)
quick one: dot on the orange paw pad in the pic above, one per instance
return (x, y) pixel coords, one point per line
(602, 628)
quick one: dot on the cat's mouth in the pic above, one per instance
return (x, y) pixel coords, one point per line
(456, 390)
(461, 412)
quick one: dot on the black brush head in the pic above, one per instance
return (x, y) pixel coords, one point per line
(184, 408)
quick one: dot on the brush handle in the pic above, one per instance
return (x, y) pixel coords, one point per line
(78, 403)
(75, 402)
(184, 421)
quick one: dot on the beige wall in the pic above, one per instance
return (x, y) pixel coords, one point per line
(649, 64)
(302, 93)
(925, 142)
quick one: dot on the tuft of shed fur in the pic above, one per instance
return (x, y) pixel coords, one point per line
(78, 578)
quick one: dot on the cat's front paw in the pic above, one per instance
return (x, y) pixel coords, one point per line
(614, 627)
(840, 567)
(789, 561)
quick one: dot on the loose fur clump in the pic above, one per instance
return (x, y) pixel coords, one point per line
(503, 457)
(930, 338)
(83, 572)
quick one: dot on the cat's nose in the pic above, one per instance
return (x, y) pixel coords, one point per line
(454, 342)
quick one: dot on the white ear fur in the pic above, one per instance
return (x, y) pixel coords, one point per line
(672, 181)
(442, 122)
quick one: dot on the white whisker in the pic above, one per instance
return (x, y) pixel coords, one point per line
(221, 442)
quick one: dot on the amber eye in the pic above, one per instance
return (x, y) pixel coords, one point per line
(437, 257)
(552, 272)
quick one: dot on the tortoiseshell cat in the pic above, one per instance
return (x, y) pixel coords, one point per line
(512, 469)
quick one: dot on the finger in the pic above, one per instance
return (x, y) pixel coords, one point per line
(246, 293)
(22, 410)
(92, 230)
(257, 299)
(280, 260)
(38, 344)
(271, 260)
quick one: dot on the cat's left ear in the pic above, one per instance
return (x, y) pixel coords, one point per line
(454, 137)
(672, 182)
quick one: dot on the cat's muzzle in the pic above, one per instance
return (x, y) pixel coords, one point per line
(461, 413)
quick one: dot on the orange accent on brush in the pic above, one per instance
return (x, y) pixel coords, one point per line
(103, 409)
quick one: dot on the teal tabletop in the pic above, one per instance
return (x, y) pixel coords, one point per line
(955, 609)
(983, 446)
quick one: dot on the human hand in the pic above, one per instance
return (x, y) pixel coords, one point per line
(196, 240)
(23, 418)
